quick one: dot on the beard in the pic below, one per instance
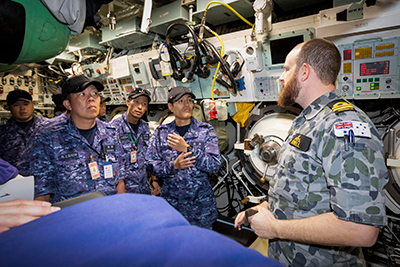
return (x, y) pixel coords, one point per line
(290, 91)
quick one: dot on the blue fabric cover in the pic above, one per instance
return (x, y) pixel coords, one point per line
(122, 230)
(7, 171)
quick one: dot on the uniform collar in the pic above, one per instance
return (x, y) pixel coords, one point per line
(36, 121)
(318, 104)
(101, 132)
(192, 127)
(127, 125)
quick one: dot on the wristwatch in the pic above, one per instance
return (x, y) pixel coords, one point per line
(189, 148)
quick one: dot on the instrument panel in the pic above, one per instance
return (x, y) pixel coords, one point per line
(370, 69)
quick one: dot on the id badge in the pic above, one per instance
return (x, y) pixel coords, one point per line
(108, 171)
(94, 170)
(133, 156)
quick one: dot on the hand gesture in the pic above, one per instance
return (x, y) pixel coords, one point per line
(183, 161)
(176, 142)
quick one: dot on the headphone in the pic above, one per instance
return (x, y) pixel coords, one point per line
(231, 84)
(194, 66)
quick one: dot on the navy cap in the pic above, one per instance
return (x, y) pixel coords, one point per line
(177, 92)
(139, 92)
(78, 83)
(18, 94)
(104, 99)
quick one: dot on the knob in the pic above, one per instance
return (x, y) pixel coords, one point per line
(345, 78)
(345, 88)
(262, 180)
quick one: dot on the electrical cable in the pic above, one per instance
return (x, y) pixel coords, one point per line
(197, 65)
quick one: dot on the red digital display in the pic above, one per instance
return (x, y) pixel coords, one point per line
(347, 54)
(374, 68)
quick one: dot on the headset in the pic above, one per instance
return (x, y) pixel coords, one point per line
(226, 69)
(195, 65)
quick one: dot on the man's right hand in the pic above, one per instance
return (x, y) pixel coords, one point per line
(183, 161)
(16, 212)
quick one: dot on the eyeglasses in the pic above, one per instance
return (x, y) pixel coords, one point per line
(186, 101)
(141, 91)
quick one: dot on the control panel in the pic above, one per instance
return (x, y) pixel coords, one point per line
(117, 95)
(126, 85)
(370, 69)
(267, 88)
(11, 82)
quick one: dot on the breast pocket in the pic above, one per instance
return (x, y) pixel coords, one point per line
(72, 173)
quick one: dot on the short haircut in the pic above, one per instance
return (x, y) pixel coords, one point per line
(323, 56)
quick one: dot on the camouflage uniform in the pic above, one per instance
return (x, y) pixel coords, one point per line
(318, 173)
(60, 117)
(14, 141)
(61, 157)
(136, 176)
(187, 190)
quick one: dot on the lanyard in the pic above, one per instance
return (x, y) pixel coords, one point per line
(102, 155)
(130, 135)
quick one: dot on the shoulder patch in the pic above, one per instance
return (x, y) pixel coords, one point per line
(211, 133)
(300, 141)
(340, 105)
(359, 128)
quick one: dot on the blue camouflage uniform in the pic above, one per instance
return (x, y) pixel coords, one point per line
(61, 157)
(136, 176)
(187, 190)
(14, 141)
(60, 117)
(320, 172)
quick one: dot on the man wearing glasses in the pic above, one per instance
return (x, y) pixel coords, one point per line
(134, 135)
(183, 152)
(81, 154)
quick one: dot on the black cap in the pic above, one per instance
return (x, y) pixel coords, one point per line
(79, 83)
(104, 99)
(18, 94)
(177, 92)
(139, 92)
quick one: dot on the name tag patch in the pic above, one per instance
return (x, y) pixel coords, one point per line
(125, 139)
(109, 148)
(300, 141)
(146, 137)
(359, 128)
(68, 156)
